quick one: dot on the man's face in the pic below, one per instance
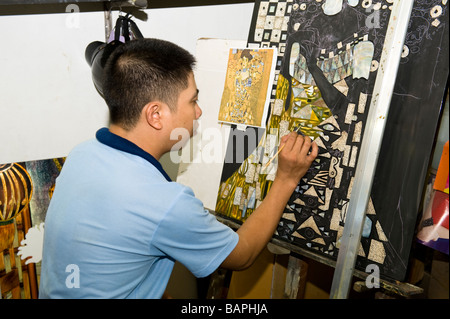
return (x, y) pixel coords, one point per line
(184, 118)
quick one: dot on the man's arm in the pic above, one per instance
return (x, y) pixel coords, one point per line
(293, 162)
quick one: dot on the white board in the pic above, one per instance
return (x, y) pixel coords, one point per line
(202, 160)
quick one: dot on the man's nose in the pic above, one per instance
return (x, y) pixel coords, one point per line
(198, 112)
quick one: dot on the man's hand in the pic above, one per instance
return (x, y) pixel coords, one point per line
(296, 157)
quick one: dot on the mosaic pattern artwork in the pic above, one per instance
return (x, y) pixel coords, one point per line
(28, 185)
(245, 96)
(15, 190)
(329, 54)
(25, 192)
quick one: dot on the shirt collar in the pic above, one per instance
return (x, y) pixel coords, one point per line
(104, 136)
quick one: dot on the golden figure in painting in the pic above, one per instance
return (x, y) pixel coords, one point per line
(245, 95)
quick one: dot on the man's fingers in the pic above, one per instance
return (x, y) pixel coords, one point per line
(288, 141)
(298, 145)
(305, 145)
(314, 150)
(301, 146)
(283, 140)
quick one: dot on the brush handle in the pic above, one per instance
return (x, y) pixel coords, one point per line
(280, 149)
(273, 157)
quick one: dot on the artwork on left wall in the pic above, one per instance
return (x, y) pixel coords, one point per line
(25, 192)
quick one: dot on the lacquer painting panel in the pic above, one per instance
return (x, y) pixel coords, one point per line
(329, 54)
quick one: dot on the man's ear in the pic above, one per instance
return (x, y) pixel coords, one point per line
(152, 112)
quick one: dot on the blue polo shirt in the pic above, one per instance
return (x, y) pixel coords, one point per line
(116, 224)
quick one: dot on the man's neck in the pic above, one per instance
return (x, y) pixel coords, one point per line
(138, 137)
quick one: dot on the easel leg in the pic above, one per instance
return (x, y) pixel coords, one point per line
(295, 278)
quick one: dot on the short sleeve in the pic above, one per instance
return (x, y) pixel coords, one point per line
(191, 235)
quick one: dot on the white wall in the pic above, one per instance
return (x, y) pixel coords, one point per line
(48, 103)
(202, 161)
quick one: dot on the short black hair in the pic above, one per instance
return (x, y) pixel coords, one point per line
(144, 70)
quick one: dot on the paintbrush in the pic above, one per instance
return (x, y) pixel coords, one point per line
(279, 150)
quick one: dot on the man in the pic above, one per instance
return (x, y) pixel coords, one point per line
(116, 223)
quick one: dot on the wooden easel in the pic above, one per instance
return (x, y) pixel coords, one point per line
(293, 277)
